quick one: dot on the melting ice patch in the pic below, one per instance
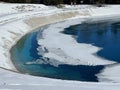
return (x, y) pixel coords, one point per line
(58, 48)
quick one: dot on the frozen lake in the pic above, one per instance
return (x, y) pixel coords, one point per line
(29, 59)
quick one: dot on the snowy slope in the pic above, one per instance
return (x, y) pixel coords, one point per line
(13, 26)
(8, 9)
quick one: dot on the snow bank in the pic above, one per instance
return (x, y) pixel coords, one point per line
(107, 10)
(7, 9)
(9, 34)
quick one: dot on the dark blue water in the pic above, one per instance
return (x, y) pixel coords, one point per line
(26, 51)
(105, 35)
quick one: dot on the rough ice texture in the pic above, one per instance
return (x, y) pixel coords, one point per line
(16, 20)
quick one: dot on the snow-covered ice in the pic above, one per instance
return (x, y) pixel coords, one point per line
(16, 20)
(60, 46)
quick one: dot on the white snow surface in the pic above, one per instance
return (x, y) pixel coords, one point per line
(13, 27)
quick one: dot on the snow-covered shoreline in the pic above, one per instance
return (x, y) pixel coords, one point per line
(14, 26)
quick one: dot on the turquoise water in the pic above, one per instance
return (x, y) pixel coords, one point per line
(105, 35)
